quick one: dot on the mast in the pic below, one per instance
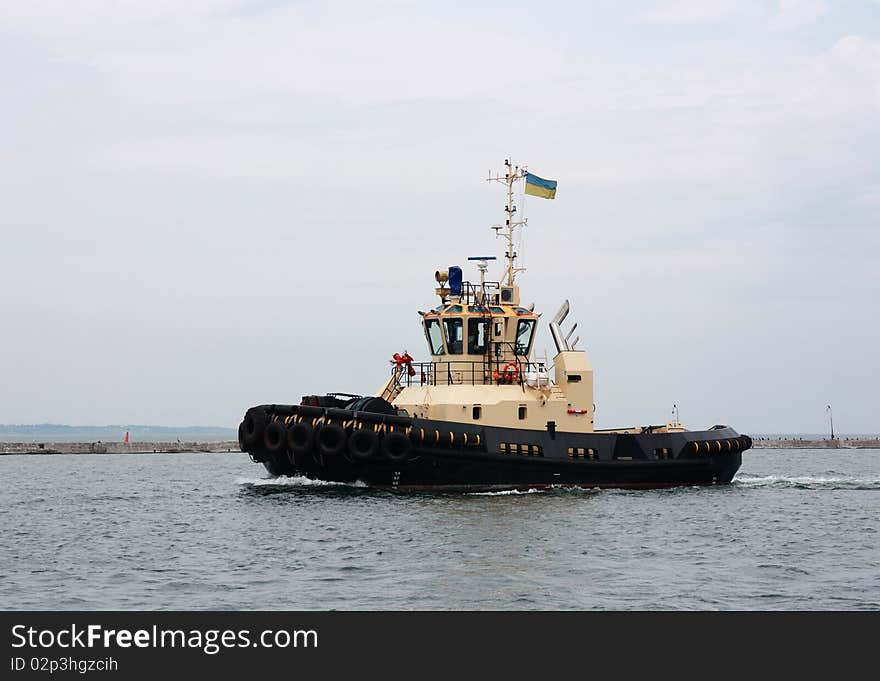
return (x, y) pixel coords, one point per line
(511, 174)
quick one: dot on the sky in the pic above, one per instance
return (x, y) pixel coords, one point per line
(210, 204)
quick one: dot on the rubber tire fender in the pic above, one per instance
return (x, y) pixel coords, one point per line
(241, 444)
(300, 437)
(396, 446)
(363, 444)
(275, 437)
(331, 439)
(255, 421)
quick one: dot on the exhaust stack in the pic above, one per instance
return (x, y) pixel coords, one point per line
(556, 330)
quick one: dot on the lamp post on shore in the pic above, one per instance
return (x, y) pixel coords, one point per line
(831, 419)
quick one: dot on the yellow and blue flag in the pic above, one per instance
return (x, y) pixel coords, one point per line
(538, 186)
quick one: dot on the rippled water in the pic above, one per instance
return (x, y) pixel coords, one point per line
(798, 529)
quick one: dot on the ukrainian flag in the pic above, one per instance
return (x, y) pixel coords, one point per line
(538, 186)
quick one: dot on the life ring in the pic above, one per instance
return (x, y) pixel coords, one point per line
(510, 373)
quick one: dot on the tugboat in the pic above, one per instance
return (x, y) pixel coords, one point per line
(484, 414)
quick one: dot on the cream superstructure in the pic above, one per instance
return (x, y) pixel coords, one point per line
(481, 344)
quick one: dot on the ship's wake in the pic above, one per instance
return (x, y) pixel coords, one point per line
(818, 482)
(283, 482)
(564, 489)
(506, 492)
(742, 480)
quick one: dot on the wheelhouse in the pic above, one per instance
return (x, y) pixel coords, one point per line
(477, 331)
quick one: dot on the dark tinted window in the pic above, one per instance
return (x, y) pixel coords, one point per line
(478, 332)
(452, 326)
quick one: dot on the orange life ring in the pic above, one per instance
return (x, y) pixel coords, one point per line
(510, 372)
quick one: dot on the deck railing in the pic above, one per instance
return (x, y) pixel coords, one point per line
(466, 372)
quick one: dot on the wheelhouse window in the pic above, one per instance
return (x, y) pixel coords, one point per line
(524, 331)
(478, 336)
(453, 328)
(435, 337)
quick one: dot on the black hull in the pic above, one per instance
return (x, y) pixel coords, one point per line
(442, 456)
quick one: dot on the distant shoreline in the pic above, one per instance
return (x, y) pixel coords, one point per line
(57, 433)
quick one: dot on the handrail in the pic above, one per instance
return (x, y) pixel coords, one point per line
(481, 373)
(471, 293)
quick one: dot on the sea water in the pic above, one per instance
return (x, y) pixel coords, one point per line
(797, 529)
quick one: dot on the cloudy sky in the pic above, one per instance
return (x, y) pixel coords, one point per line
(209, 204)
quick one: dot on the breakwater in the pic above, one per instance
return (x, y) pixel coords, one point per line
(827, 443)
(115, 447)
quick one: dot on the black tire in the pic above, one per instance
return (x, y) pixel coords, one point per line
(275, 438)
(241, 445)
(331, 439)
(396, 446)
(278, 464)
(363, 444)
(300, 437)
(255, 421)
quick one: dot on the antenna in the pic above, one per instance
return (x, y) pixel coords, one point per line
(512, 173)
(482, 265)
